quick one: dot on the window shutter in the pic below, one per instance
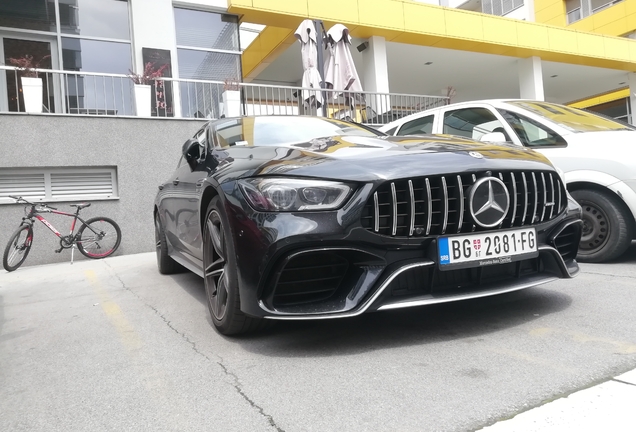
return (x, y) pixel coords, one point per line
(507, 6)
(77, 184)
(27, 185)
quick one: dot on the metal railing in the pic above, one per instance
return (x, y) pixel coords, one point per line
(89, 93)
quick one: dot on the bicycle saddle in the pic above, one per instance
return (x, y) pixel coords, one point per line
(81, 206)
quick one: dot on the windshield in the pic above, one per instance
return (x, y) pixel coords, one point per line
(290, 130)
(572, 119)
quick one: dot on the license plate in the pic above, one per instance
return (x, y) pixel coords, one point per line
(483, 249)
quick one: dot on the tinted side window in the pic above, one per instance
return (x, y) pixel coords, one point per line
(472, 123)
(532, 133)
(423, 125)
(228, 134)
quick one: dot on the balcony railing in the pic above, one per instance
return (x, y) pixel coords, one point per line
(87, 93)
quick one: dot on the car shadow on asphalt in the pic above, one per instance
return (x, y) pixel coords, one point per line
(387, 329)
(413, 326)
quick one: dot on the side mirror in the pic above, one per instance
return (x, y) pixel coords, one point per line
(191, 152)
(496, 137)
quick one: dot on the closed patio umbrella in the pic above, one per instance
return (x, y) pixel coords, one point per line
(306, 35)
(340, 71)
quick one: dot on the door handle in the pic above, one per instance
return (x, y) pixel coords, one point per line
(199, 184)
(175, 181)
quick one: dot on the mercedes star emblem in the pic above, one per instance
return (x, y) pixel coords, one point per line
(476, 155)
(489, 202)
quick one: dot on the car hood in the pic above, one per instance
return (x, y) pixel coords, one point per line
(369, 158)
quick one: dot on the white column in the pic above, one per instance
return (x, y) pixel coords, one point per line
(632, 96)
(530, 78)
(375, 75)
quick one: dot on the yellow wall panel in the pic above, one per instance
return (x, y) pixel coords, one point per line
(371, 11)
(532, 36)
(554, 10)
(616, 47)
(600, 99)
(289, 7)
(557, 22)
(464, 25)
(499, 30)
(562, 40)
(583, 25)
(591, 45)
(609, 15)
(430, 20)
(335, 10)
(632, 54)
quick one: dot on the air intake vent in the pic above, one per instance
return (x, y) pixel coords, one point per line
(567, 242)
(439, 205)
(309, 277)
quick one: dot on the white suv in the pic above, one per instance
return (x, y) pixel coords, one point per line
(597, 155)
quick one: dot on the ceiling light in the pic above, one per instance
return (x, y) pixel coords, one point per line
(622, 83)
(428, 63)
(553, 76)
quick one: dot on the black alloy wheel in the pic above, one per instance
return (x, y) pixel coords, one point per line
(607, 230)
(214, 254)
(221, 276)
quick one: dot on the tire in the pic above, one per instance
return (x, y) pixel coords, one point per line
(18, 248)
(607, 228)
(221, 276)
(165, 264)
(100, 240)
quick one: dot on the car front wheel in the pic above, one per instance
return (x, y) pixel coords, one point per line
(220, 275)
(607, 228)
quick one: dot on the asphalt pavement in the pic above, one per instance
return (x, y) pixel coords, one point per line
(113, 345)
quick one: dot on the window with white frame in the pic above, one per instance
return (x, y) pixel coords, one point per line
(500, 7)
(58, 184)
(207, 49)
(579, 9)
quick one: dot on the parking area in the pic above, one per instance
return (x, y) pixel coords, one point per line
(114, 345)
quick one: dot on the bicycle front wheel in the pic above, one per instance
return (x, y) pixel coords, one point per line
(98, 238)
(18, 248)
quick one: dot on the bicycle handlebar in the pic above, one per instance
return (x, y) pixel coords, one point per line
(20, 199)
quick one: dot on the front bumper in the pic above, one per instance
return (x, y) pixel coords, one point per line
(325, 265)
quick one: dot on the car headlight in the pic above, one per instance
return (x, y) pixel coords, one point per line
(283, 194)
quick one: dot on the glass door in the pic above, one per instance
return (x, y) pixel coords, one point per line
(27, 52)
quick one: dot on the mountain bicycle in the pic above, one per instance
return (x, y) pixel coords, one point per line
(96, 238)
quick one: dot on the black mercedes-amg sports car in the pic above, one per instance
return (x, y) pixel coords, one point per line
(292, 217)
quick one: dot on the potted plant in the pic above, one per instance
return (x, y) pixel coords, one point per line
(142, 84)
(231, 98)
(31, 83)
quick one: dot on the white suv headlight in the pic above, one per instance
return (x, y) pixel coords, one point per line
(284, 194)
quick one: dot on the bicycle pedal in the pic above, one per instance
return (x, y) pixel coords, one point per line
(59, 250)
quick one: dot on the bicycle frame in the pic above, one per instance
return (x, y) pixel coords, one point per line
(36, 214)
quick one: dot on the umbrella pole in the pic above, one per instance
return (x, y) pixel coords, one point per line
(321, 65)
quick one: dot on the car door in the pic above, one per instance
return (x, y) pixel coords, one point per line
(187, 185)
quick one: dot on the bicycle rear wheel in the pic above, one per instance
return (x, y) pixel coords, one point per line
(18, 248)
(98, 238)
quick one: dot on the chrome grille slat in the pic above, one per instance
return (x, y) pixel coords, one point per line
(552, 200)
(445, 204)
(460, 186)
(525, 194)
(394, 214)
(545, 197)
(430, 206)
(433, 205)
(412, 198)
(536, 199)
(514, 201)
(377, 212)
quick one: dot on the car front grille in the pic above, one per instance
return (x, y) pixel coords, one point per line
(439, 205)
